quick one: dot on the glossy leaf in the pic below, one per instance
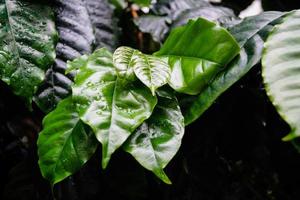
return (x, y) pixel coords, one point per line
(151, 70)
(167, 15)
(281, 64)
(76, 38)
(104, 22)
(158, 139)
(259, 24)
(112, 106)
(27, 49)
(156, 26)
(255, 30)
(122, 58)
(250, 55)
(65, 144)
(83, 25)
(173, 8)
(195, 63)
(216, 14)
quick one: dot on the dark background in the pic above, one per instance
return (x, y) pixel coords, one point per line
(233, 152)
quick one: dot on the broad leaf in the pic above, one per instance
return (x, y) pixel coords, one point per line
(27, 49)
(173, 8)
(194, 63)
(281, 65)
(83, 25)
(195, 106)
(112, 106)
(166, 15)
(104, 22)
(217, 14)
(156, 26)
(158, 139)
(76, 38)
(259, 24)
(65, 143)
(254, 29)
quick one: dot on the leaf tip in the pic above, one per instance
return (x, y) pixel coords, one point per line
(289, 137)
(162, 176)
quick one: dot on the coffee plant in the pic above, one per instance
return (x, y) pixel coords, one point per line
(96, 78)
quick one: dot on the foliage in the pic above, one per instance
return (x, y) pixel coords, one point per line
(28, 40)
(64, 56)
(280, 66)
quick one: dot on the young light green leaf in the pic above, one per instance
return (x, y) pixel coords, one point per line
(112, 106)
(254, 30)
(158, 139)
(196, 52)
(65, 144)
(122, 58)
(281, 65)
(27, 47)
(151, 70)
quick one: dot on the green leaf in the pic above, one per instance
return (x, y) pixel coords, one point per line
(105, 23)
(65, 144)
(158, 139)
(112, 106)
(151, 70)
(281, 65)
(194, 63)
(169, 14)
(156, 26)
(217, 14)
(251, 26)
(123, 58)
(249, 56)
(95, 26)
(142, 2)
(254, 29)
(72, 43)
(27, 45)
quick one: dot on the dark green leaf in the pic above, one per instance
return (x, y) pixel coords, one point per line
(82, 25)
(112, 106)
(254, 29)
(65, 143)
(157, 26)
(169, 14)
(173, 8)
(196, 62)
(281, 64)
(158, 139)
(28, 36)
(251, 26)
(76, 38)
(104, 22)
(217, 14)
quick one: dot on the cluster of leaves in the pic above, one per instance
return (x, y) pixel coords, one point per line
(117, 97)
(128, 99)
